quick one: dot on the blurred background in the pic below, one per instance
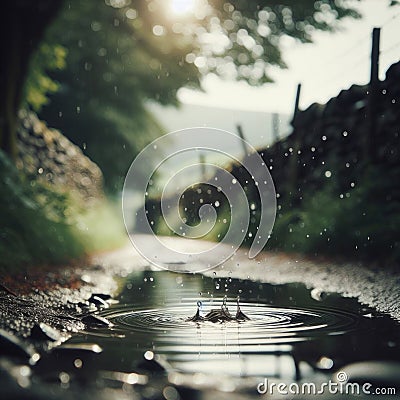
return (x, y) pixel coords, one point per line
(310, 84)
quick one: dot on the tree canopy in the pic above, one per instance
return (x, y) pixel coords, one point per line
(114, 64)
(241, 39)
(122, 53)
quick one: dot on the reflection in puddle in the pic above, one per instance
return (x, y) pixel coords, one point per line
(286, 327)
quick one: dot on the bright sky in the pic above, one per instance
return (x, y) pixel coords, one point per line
(333, 62)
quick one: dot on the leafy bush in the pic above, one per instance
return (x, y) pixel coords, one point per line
(362, 223)
(32, 222)
(41, 226)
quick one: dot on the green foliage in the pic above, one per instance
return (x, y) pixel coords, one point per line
(122, 54)
(365, 223)
(114, 65)
(253, 30)
(41, 226)
(39, 85)
(99, 227)
(33, 222)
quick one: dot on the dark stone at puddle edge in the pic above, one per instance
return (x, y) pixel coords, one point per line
(44, 332)
(11, 345)
(98, 301)
(82, 306)
(95, 321)
(102, 296)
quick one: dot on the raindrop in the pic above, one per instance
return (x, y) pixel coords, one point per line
(64, 377)
(179, 280)
(325, 363)
(131, 13)
(170, 393)
(158, 30)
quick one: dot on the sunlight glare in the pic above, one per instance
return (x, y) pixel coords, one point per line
(180, 7)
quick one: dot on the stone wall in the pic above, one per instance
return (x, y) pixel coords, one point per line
(49, 156)
(329, 142)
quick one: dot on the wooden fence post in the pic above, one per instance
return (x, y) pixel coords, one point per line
(275, 127)
(371, 139)
(244, 145)
(296, 103)
(293, 167)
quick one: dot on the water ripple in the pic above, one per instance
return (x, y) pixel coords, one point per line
(267, 325)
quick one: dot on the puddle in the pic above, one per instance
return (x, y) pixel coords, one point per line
(291, 332)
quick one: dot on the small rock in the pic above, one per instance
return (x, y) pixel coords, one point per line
(43, 331)
(101, 296)
(318, 294)
(13, 346)
(96, 320)
(98, 301)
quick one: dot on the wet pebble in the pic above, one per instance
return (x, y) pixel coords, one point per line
(318, 294)
(44, 332)
(100, 296)
(11, 345)
(96, 321)
(100, 300)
